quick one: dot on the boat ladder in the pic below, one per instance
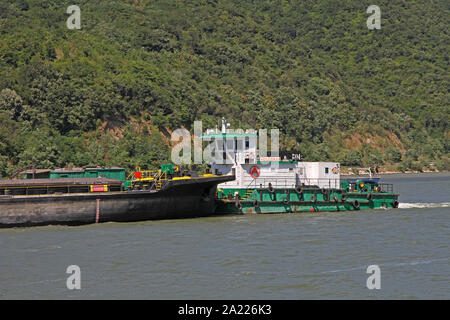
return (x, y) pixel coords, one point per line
(247, 194)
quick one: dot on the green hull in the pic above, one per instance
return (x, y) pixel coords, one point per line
(291, 200)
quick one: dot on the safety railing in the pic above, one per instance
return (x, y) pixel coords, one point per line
(289, 183)
(148, 179)
(387, 187)
(161, 180)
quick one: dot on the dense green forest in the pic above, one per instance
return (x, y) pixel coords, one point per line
(111, 92)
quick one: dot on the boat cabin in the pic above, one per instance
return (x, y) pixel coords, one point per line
(235, 152)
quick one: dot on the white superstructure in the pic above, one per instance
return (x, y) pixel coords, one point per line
(236, 152)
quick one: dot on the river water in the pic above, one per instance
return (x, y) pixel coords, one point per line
(284, 256)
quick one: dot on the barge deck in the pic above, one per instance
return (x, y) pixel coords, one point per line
(62, 204)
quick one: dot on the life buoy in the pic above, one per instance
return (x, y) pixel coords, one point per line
(395, 204)
(356, 204)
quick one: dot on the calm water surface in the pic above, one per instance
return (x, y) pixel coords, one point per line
(290, 256)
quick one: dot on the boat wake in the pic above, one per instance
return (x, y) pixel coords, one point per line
(408, 205)
(393, 264)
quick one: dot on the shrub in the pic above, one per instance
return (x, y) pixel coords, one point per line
(392, 155)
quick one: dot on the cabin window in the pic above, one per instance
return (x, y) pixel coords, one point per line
(239, 144)
(230, 144)
(220, 146)
(326, 170)
(247, 143)
(291, 169)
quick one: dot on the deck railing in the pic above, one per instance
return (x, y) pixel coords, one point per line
(288, 183)
(387, 187)
(263, 183)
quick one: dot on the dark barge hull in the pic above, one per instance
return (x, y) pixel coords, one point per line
(178, 199)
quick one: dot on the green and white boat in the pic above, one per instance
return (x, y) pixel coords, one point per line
(274, 184)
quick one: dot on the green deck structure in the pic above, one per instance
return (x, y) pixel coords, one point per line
(354, 194)
(105, 172)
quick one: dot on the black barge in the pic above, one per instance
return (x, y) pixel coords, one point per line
(78, 201)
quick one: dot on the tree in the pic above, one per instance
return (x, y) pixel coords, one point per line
(392, 155)
(11, 102)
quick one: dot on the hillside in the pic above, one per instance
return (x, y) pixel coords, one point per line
(110, 93)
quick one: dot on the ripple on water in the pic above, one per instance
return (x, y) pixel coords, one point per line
(305, 255)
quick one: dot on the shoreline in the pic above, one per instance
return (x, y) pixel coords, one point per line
(365, 173)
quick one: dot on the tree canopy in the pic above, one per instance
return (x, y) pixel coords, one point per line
(111, 92)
